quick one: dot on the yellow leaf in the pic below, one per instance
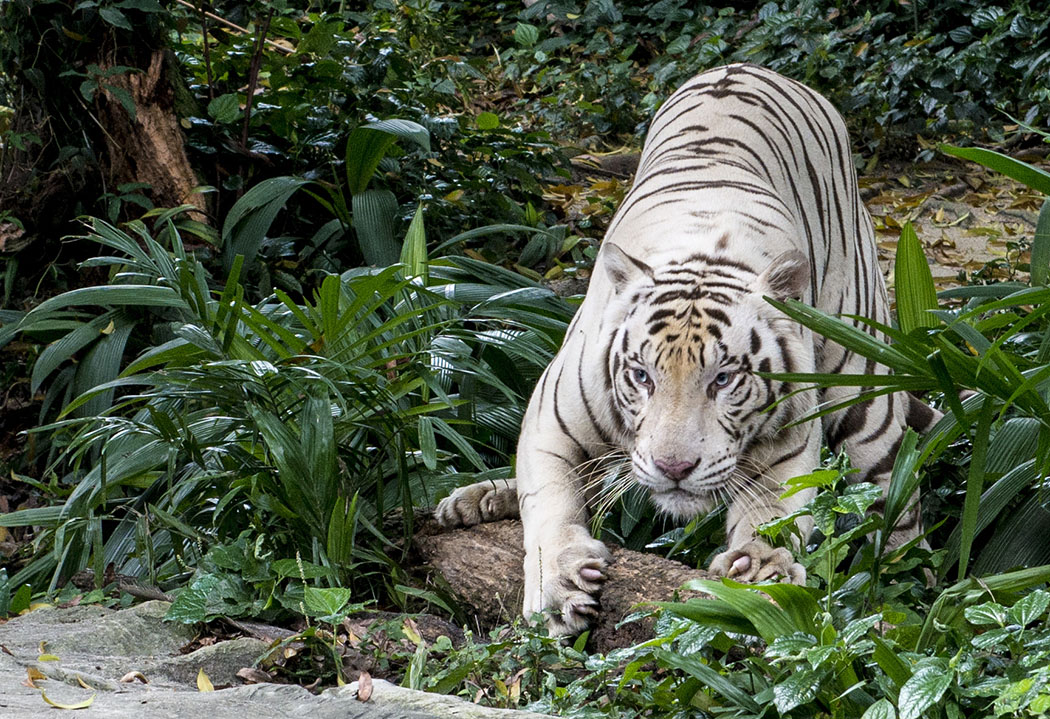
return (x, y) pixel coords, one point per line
(860, 49)
(454, 196)
(39, 605)
(904, 180)
(81, 682)
(33, 674)
(79, 705)
(47, 658)
(203, 682)
(108, 329)
(412, 631)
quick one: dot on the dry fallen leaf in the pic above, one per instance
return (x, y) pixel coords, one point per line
(78, 705)
(364, 687)
(254, 676)
(203, 682)
(32, 675)
(134, 677)
(81, 682)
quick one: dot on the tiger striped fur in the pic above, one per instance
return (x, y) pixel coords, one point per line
(745, 188)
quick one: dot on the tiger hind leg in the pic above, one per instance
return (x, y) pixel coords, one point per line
(487, 501)
(871, 434)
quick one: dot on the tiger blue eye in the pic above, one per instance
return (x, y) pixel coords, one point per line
(641, 376)
(722, 379)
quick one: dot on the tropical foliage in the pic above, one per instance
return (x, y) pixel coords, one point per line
(247, 401)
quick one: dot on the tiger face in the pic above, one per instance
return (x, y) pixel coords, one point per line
(682, 368)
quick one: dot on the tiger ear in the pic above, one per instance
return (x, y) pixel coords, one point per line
(622, 269)
(786, 277)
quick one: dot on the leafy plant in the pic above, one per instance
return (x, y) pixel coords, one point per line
(308, 423)
(995, 345)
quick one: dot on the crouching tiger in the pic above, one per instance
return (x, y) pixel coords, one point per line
(745, 188)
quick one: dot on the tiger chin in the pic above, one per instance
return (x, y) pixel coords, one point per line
(745, 190)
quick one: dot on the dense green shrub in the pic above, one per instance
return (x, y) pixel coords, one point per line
(306, 422)
(934, 66)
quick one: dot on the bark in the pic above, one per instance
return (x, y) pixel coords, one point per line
(482, 565)
(149, 147)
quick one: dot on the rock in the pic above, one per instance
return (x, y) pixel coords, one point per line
(482, 565)
(96, 646)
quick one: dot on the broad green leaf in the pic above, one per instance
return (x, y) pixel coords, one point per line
(526, 35)
(427, 442)
(191, 604)
(249, 219)
(913, 283)
(925, 688)
(225, 109)
(115, 17)
(770, 621)
(1030, 607)
(414, 249)
(111, 296)
(987, 613)
(882, 709)
(404, 129)
(800, 687)
(342, 532)
(710, 677)
(64, 348)
(326, 602)
(890, 662)
(798, 603)
(368, 144)
(364, 149)
(974, 485)
(1024, 173)
(904, 481)
(715, 613)
(375, 213)
(993, 501)
(849, 336)
(100, 366)
(1041, 247)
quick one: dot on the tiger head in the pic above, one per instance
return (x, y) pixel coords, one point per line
(688, 340)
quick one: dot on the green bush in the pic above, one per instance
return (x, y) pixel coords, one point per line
(308, 423)
(934, 66)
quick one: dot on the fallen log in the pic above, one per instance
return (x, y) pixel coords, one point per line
(482, 566)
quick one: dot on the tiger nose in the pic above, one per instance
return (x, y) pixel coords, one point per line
(675, 470)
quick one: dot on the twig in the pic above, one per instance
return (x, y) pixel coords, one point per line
(207, 51)
(233, 26)
(253, 76)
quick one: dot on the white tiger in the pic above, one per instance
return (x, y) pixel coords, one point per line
(745, 188)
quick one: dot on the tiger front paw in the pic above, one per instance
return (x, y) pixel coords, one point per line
(566, 589)
(756, 561)
(477, 503)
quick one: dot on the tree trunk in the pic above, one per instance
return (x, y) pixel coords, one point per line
(148, 147)
(482, 565)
